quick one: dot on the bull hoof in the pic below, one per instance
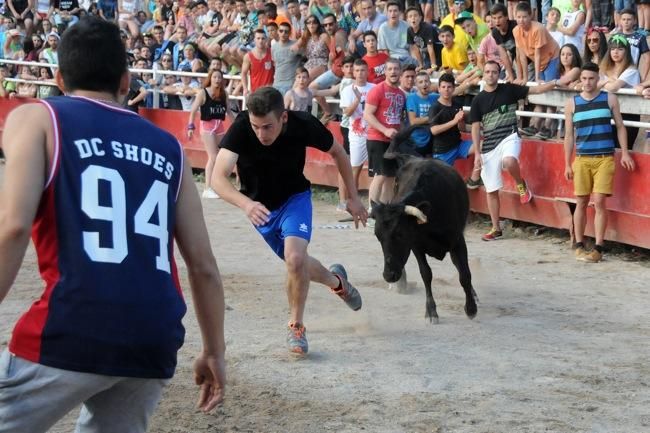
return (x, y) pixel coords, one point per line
(475, 296)
(471, 310)
(401, 285)
(432, 316)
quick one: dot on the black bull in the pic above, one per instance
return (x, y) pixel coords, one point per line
(427, 216)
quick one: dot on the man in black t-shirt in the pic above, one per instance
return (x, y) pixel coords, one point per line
(268, 146)
(502, 34)
(494, 108)
(447, 119)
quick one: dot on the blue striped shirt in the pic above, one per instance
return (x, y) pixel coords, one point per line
(591, 120)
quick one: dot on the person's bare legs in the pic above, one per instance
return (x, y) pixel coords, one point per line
(511, 165)
(375, 189)
(211, 143)
(387, 189)
(494, 208)
(580, 218)
(600, 220)
(298, 276)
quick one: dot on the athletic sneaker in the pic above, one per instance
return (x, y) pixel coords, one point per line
(492, 235)
(525, 194)
(297, 339)
(473, 184)
(209, 193)
(592, 256)
(528, 131)
(544, 134)
(346, 291)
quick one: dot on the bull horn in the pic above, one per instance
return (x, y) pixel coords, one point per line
(417, 213)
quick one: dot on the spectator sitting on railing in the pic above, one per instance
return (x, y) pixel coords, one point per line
(137, 89)
(185, 89)
(454, 53)
(331, 78)
(26, 90)
(489, 50)
(284, 59)
(595, 46)
(593, 168)
(13, 45)
(570, 64)
(126, 16)
(376, 60)
(392, 36)
(190, 58)
(535, 45)
(637, 41)
(64, 13)
(617, 71)
(259, 63)
(371, 22)
(22, 12)
(49, 53)
(421, 37)
(45, 91)
(299, 97)
(418, 104)
(505, 40)
(108, 9)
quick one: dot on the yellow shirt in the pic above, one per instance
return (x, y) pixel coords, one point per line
(455, 57)
(459, 33)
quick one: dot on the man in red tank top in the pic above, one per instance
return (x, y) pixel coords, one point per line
(259, 63)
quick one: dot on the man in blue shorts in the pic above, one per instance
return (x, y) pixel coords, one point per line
(104, 194)
(267, 144)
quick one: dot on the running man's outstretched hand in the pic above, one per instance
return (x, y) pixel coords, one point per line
(358, 212)
(210, 375)
(257, 213)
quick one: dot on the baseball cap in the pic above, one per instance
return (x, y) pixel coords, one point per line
(463, 16)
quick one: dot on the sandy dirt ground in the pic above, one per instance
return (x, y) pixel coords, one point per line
(557, 346)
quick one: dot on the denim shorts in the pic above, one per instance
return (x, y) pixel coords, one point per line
(552, 71)
(291, 219)
(326, 80)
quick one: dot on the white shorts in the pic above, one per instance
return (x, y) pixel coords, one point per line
(358, 149)
(493, 161)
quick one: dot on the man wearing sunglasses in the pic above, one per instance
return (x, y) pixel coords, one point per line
(285, 60)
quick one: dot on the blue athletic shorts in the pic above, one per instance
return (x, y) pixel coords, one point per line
(291, 219)
(461, 151)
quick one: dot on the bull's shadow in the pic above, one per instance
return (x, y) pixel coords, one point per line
(426, 216)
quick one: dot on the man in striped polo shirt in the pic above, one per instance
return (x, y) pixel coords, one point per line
(494, 109)
(588, 125)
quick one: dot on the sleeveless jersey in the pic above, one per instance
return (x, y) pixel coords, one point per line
(212, 108)
(591, 120)
(103, 231)
(262, 70)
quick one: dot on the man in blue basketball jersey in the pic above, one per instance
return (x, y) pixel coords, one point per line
(268, 144)
(104, 195)
(588, 126)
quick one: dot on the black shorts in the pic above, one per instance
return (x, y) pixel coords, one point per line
(346, 139)
(377, 164)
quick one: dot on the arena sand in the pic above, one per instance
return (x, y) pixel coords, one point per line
(557, 346)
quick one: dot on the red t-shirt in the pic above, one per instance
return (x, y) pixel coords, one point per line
(376, 67)
(390, 102)
(262, 70)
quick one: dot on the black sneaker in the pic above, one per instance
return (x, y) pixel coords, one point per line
(544, 134)
(528, 131)
(347, 292)
(473, 184)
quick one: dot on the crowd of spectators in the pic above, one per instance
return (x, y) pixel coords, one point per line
(301, 48)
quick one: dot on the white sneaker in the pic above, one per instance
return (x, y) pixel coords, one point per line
(209, 193)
